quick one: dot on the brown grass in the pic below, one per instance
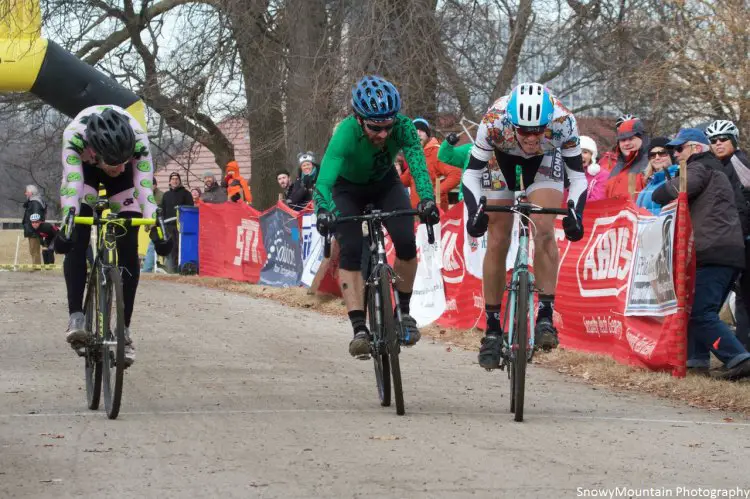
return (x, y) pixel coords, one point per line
(595, 369)
(8, 240)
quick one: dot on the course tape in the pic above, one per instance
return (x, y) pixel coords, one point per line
(28, 266)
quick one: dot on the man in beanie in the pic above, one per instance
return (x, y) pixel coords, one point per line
(719, 251)
(632, 159)
(212, 192)
(724, 136)
(596, 176)
(176, 196)
(448, 176)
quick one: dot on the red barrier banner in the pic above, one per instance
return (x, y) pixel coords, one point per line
(616, 291)
(230, 242)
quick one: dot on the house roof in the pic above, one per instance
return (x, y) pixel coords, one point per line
(197, 159)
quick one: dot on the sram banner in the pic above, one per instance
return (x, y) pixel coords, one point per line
(615, 291)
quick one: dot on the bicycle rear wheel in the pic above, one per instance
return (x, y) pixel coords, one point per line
(520, 344)
(379, 351)
(391, 340)
(113, 348)
(92, 359)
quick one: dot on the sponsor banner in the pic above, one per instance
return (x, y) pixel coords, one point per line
(651, 288)
(282, 241)
(230, 242)
(428, 296)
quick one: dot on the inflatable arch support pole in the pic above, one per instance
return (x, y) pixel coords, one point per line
(30, 63)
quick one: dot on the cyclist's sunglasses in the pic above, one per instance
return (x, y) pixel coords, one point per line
(379, 128)
(530, 131)
(654, 154)
(714, 140)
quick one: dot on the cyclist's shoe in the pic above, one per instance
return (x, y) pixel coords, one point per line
(76, 333)
(545, 334)
(360, 344)
(411, 333)
(129, 349)
(491, 350)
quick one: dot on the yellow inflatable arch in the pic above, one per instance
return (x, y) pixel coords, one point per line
(30, 63)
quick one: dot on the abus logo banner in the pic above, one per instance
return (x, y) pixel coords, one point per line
(451, 241)
(604, 264)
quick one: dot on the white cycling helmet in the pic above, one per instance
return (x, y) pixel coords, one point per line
(622, 119)
(35, 217)
(722, 127)
(530, 107)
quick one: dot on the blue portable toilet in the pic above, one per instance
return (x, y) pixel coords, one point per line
(187, 219)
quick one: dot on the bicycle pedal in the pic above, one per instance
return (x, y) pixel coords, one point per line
(81, 351)
(364, 357)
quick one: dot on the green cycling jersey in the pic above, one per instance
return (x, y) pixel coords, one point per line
(351, 156)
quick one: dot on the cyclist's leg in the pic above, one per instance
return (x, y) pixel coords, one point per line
(74, 269)
(350, 201)
(127, 258)
(546, 191)
(498, 188)
(401, 229)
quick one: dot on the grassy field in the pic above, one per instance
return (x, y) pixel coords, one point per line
(8, 240)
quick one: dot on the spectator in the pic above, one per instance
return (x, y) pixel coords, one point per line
(448, 176)
(285, 182)
(237, 188)
(632, 144)
(301, 191)
(720, 254)
(34, 204)
(724, 136)
(660, 161)
(176, 196)
(150, 261)
(212, 192)
(196, 193)
(596, 176)
(46, 232)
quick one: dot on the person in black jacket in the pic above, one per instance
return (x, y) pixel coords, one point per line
(34, 205)
(719, 254)
(724, 137)
(176, 196)
(301, 191)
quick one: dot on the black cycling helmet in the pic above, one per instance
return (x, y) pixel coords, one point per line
(111, 136)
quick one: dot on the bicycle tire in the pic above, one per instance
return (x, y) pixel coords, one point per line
(391, 339)
(379, 353)
(113, 360)
(92, 359)
(520, 342)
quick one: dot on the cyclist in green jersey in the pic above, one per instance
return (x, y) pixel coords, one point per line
(358, 170)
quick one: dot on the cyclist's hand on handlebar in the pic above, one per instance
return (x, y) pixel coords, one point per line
(428, 212)
(478, 221)
(162, 244)
(452, 139)
(324, 222)
(572, 224)
(64, 238)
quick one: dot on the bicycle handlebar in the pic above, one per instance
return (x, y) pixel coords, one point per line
(377, 215)
(523, 208)
(72, 220)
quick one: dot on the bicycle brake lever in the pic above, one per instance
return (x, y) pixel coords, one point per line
(430, 234)
(327, 246)
(69, 222)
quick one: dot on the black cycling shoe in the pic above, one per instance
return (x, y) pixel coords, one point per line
(360, 344)
(545, 334)
(491, 350)
(411, 333)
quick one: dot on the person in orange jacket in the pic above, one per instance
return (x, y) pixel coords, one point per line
(632, 158)
(450, 176)
(237, 188)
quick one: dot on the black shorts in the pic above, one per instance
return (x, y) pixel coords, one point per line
(387, 194)
(545, 171)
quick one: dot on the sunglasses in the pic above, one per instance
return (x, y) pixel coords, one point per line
(530, 132)
(680, 148)
(719, 139)
(654, 154)
(378, 128)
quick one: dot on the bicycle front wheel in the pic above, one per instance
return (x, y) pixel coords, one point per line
(379, 350)
(391, 340)
(112, 318)
(520, 344)
(92, 358)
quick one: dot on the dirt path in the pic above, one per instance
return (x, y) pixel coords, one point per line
(238, 397)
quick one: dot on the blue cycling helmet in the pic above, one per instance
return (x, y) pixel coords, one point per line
(374, 98)
(530, 107)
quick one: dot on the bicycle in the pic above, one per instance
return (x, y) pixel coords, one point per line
(386, 331)
(518, 345)
(104, 349)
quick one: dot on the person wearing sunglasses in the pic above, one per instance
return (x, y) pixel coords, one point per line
(724, 137)
(105, 145)
(719, 252)
(357, 170)
(660, 162)
(529, 128)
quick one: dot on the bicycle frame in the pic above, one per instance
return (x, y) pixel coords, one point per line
(379, 265)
